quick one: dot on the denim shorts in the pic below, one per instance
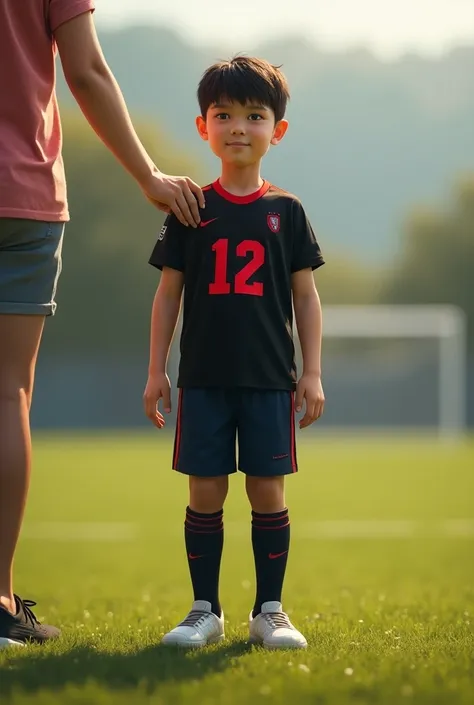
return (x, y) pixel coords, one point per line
(30, 265)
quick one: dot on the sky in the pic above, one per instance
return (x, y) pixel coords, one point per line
(388, 27)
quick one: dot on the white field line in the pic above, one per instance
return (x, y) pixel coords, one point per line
(333, 530)
(81, 531)
(370, 529)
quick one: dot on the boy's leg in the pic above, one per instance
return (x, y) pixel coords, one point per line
(204, 450)
(266, 454)
(270, 537)
(30, 263)
(204, 536)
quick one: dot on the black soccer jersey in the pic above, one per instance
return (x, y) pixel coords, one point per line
(237, 312)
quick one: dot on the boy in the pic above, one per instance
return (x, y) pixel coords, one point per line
(251, 259)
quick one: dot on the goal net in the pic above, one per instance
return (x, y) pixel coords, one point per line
(388, 369)
(394, 368)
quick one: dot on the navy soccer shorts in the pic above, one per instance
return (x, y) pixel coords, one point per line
(210, 421)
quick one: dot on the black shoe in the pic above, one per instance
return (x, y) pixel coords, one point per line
(23, 627)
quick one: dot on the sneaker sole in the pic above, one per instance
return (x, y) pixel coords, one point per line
(194, 645)
(5, 643)
(255, 641)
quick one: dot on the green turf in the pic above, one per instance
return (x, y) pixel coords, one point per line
(388, 620)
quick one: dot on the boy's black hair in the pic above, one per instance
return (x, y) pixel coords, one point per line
(242, 80)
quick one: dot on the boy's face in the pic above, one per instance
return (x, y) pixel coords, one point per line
(240, 134)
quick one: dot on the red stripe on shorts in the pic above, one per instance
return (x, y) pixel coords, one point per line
(294, 464)
(177, 440)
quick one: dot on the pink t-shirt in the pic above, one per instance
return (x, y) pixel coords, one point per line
(32, 180)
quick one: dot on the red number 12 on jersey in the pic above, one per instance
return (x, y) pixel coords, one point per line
(220, 285)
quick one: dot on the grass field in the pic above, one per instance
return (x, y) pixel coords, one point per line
(380, 579)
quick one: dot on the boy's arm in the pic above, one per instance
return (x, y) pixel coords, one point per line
(306, 257)
(309, 322)
(101, 101)
(164, 317)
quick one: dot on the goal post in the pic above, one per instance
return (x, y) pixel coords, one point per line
(443, 324)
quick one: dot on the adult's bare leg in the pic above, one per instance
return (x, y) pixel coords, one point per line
(20, 337)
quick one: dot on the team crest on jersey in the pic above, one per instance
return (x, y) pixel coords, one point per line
(273, 221)
(161, 236)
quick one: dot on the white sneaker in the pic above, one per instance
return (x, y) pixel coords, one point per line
(272, 628)
(199, 628)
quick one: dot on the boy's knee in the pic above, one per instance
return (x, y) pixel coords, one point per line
(266, 494)
(208, 494)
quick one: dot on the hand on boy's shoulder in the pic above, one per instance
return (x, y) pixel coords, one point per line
(179, 195)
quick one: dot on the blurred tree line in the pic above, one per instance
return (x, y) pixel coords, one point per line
(107, 286)
(437, 259)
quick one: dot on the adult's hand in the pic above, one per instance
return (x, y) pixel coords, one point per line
(176, 194)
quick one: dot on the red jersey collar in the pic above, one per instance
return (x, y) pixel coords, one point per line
(250, 198)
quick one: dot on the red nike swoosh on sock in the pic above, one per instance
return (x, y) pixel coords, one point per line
(192, 557)
(272, 556)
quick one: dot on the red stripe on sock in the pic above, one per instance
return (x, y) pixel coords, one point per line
(270, 528)
(218, 524)
(204, 519)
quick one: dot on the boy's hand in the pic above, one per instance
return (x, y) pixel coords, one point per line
(157, 387)
(310, 388)
(177, 194)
